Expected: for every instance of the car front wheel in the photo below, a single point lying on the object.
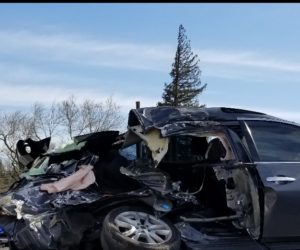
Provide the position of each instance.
(135, 228)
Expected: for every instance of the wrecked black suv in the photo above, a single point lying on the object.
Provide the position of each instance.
(179, 178)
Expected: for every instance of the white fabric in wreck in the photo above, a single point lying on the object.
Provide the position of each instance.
(81, 179)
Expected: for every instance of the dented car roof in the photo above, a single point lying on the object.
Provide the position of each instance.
(172, 119)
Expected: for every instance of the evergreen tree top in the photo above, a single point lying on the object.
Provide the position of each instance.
(185, 74)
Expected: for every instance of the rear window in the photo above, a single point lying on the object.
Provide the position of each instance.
(276, 141)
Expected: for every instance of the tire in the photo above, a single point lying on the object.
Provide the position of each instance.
(122, 224)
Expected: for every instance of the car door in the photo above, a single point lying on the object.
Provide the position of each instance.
(275, 149)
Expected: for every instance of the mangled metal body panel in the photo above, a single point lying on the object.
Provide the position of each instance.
(170, 120)
(249, 205)
(242, 196)
(153, 178)
(241, 187)
(28, 198)
(41, 219)
(51, 220)
(156, 144)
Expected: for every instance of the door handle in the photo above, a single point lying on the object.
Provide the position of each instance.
(281, 179)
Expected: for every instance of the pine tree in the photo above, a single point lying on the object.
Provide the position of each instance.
(186, 84)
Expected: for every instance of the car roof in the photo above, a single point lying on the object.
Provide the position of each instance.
(180, 118)
(167, 114)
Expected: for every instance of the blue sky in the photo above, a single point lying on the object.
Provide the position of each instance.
(249, 53)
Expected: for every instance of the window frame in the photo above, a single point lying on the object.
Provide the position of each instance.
(224, 133)
(251, 142)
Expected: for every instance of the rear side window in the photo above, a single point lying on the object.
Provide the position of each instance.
(276, 141)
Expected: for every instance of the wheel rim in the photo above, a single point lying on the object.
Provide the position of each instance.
(143, 227)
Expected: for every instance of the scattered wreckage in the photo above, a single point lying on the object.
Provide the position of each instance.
(179, 178)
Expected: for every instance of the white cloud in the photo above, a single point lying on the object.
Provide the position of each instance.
(291, 115)
(19, 74)
(247, 59)
(26, 95)
(81, 50)
(75, 49)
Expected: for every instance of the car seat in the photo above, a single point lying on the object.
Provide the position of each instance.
(215, 151)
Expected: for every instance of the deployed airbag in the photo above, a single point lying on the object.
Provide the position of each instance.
(81, 179)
